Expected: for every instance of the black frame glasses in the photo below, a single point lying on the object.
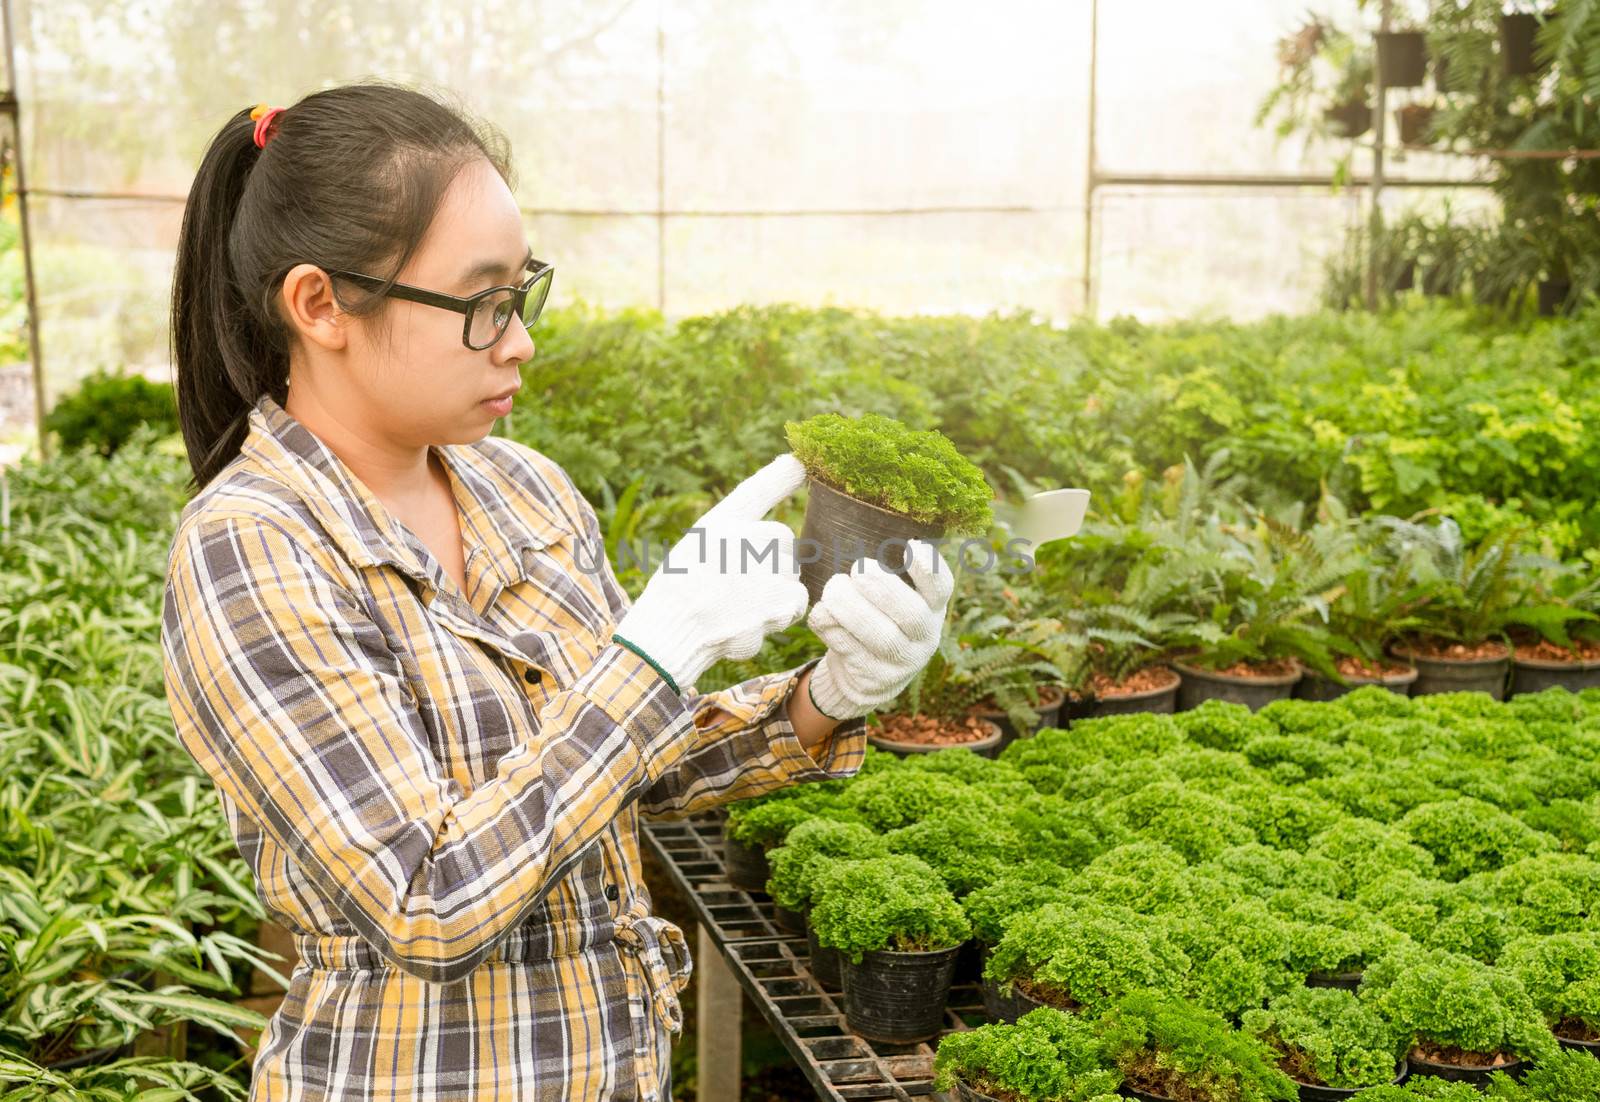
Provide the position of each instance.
(543, 275)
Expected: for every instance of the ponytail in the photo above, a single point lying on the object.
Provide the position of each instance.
(351, 179)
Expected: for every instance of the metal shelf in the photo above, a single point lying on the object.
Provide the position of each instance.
(773, 966)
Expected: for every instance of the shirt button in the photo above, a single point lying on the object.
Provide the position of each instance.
(532, 676)
(611, 892)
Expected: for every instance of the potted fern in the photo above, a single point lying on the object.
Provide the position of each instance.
(1563, 649)
(875, 484)
(1459, 642)
(898, 930)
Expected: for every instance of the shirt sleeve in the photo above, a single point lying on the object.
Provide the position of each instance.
(749, 750)
(285, 692)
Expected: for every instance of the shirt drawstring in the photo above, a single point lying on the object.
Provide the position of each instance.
(647, 937)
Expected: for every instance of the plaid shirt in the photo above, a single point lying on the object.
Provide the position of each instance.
(438, 791)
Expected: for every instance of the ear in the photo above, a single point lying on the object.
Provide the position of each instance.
(310, 309)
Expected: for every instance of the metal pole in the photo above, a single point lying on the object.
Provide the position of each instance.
(8, 105)
(1090, 181)
(1375, 216)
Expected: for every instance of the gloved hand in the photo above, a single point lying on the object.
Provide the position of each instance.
(880, 632)
(729, 582)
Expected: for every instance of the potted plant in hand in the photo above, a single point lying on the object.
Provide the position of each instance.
(1461, 1019)
(1561, 973)
(1473, 596)
(1081, 956)
(1047, 1056)
(1331, 1043)
(897, 929)
(1169, 1048)
(797, 864)
(1562, 647)
(874, 484)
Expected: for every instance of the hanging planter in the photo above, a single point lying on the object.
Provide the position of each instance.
(1518, 31)
(1402, 58)
(1445, 667)
(1349, 119)
(1255, 685)
(875, 485)
(1413, 121)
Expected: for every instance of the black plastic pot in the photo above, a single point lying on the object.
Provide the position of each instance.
(1316, 687)
(969, 963)
(1454, 675)
(1464, 1074)
(1534, 675)
(897, 997)
(825, 964)
(1350, 119)
(1310, 1093)
(792, 921)
(1572, 1044)
(1402, 58)
(1200, 685)
(838, 530)
(986, 747)
(1406, 278)
(1048, 716)
(747, 865)
(1162, 701)
(1348, 980)
(1517, 31)
(970, 1094)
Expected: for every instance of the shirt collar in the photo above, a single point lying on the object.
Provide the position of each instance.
(513, 515)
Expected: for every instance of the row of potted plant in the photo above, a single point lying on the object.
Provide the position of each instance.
(1233, 859)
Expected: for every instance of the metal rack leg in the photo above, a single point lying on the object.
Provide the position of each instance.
(719, 1007)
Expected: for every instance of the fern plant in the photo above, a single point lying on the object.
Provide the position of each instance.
(979, 659)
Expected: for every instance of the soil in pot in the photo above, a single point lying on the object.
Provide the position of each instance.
(747, 865)
(1396, 677)
(1152, 689)
(841, 529)
(1446, 667)
(1253, 684)
(1311, 1089)
(968, 1093)
(824, 963)
(1031, 996)
(1543, 665)
(898, 997)
(923, 734)
(1449, 1062)
(1048, 709)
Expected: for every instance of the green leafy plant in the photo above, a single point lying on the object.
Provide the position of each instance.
(103, 411)
(1167, 1045)
(806, 848)
(881, 461)
(895, 903)
(1329, 1037)
(1561, 973)
(1046, 1056)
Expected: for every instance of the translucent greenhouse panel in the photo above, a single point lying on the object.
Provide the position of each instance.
(604, 260)
(933, 263)
(867, 107)
(1168, 254)
(104, 273)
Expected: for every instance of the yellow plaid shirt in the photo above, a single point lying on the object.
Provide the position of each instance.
(439, 791)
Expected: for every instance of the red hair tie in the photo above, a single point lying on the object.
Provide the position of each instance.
(264, 116)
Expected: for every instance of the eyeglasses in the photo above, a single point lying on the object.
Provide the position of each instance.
(488, 312)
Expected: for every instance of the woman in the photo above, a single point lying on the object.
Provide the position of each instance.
(395, 644)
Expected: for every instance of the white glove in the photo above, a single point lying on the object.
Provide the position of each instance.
(729, 582)
(880, 632)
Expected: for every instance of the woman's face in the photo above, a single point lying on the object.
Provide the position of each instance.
(416, 383)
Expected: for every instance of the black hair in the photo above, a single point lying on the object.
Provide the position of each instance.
(350, 177)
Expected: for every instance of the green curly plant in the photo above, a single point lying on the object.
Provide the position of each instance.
(1086, 954)
(765, 822)
(896, 903)
(965, 849)
(807, 848)
(1561, 973)
(882, 462)
(1167, 1044)
(1046, 1056)
(1329, 1037)
(1025, 888)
